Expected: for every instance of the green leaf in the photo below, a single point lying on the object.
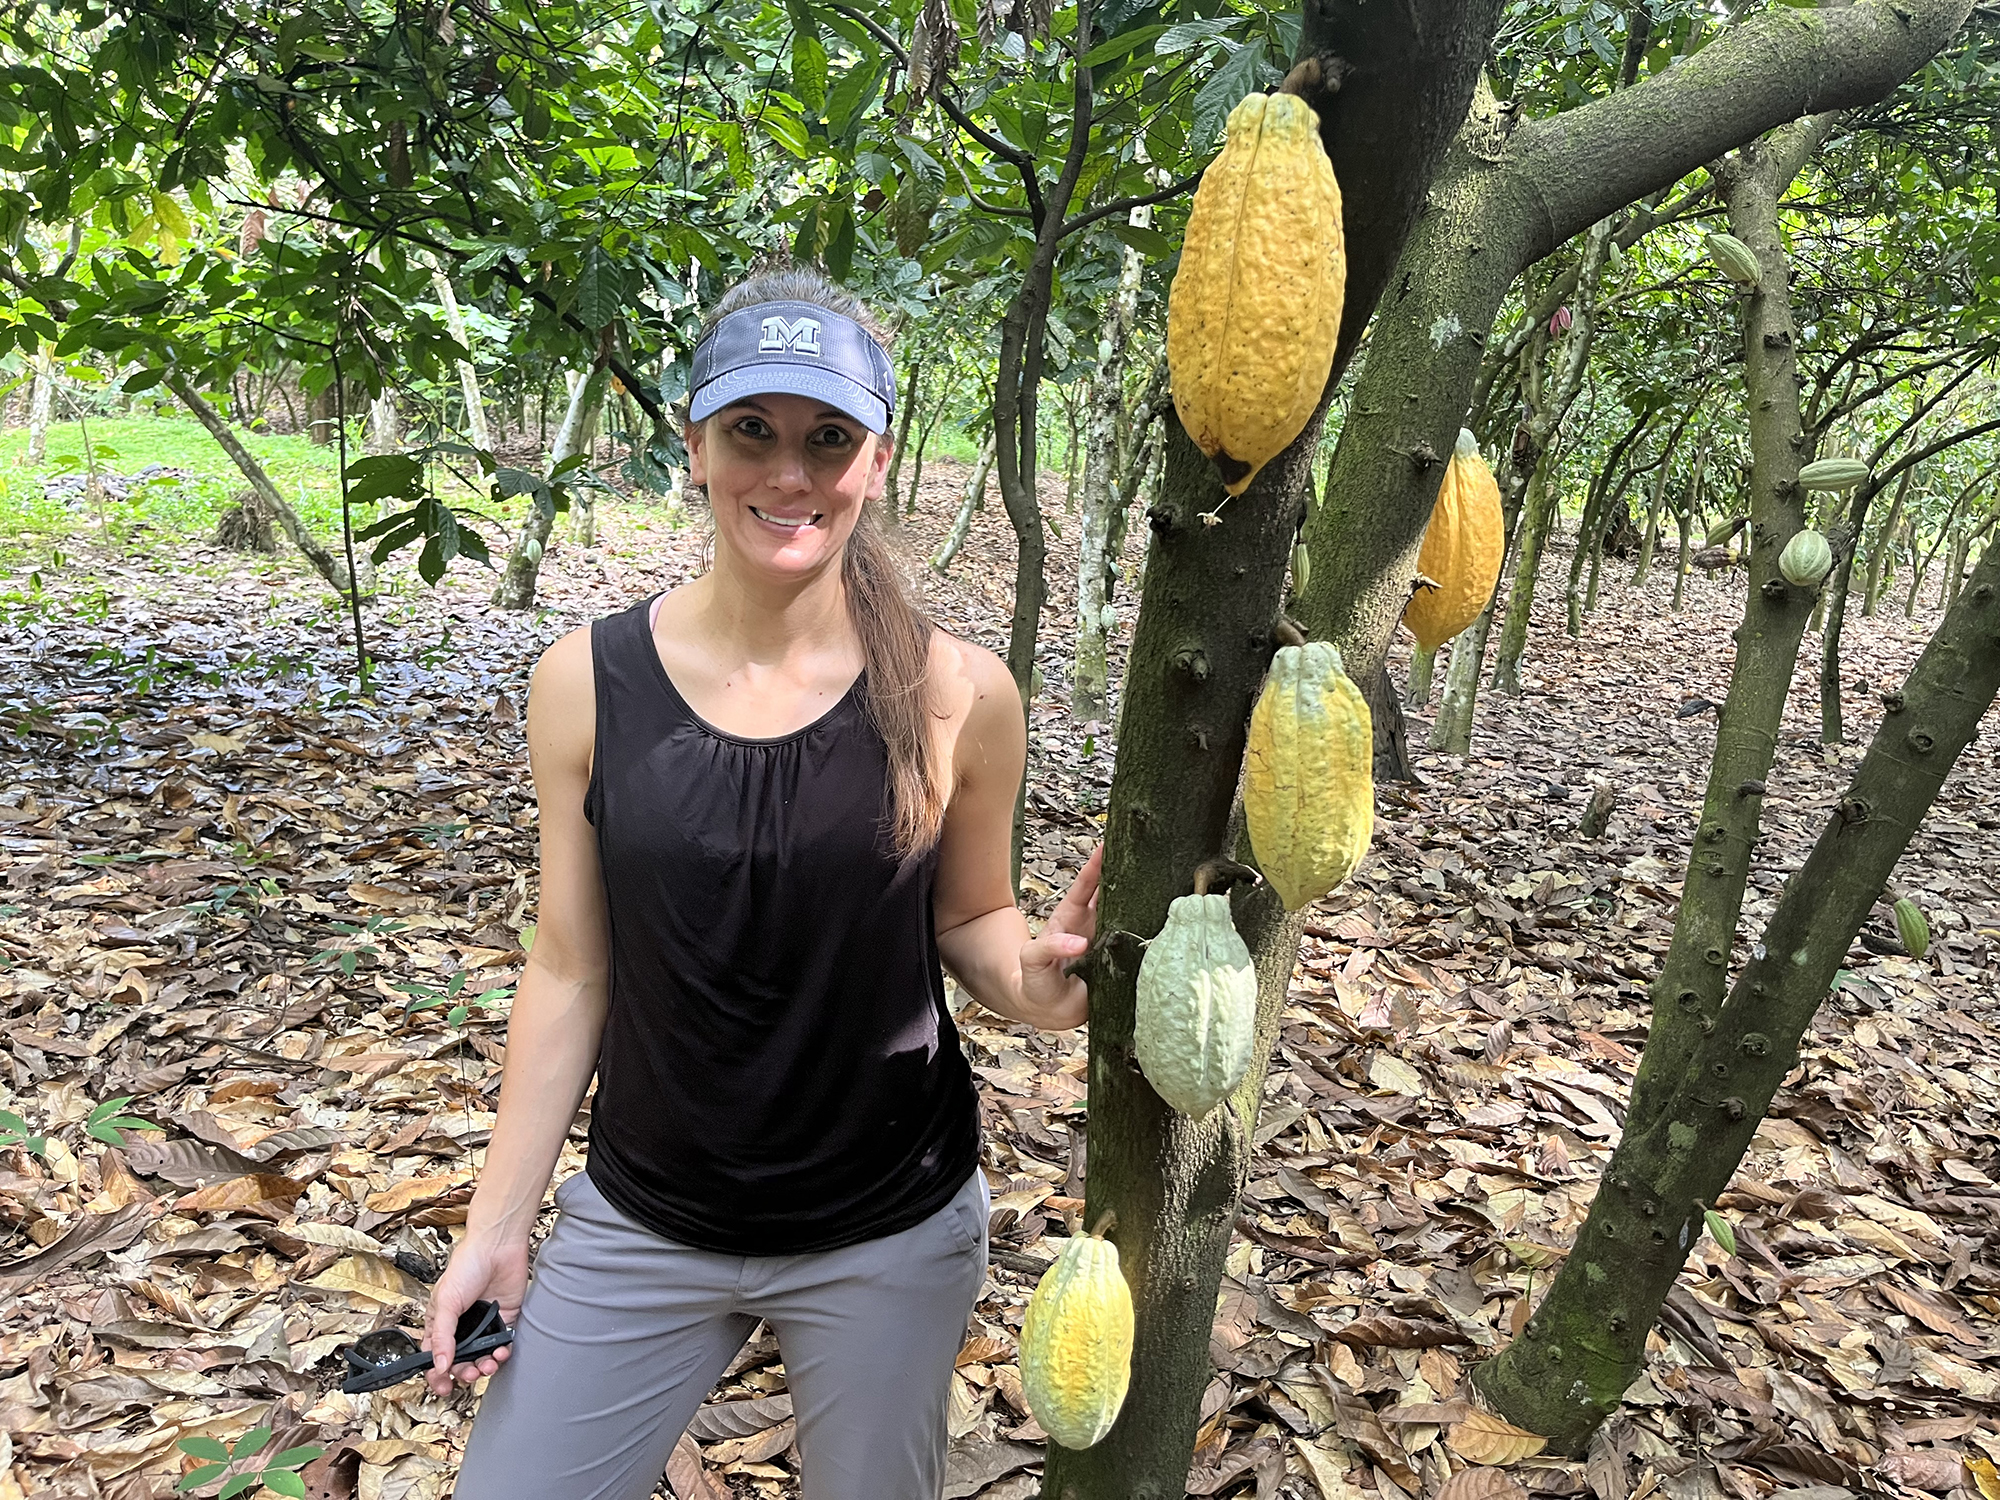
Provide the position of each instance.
(809, 71)
(600, 288)
(295, 1458)
(195, 1478)
(1223, 92)
(250, 1442)
(143, 380)
(284, 1482)
(1146, 241)
(1193, 33)
(238, 1485)
(1719, 1228)
(1118, 46)
(203, 1447)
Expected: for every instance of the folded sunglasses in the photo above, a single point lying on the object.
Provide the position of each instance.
(390, 1356)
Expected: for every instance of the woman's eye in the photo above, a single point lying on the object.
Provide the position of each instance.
(835, 437)
(752, 427)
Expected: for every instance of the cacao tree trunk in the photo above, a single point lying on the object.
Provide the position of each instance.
(891, 510)
(1102, 490)
(973, 499)
(1883, 552)
(1423, 668)
(41, 405)
(328, 565)
(1586, 1341)
(468, 377)
(516, 589)
(385, 425)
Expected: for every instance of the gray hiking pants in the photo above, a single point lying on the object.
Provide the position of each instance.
(623, 1334)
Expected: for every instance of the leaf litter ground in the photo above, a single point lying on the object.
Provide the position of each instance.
(287, 922)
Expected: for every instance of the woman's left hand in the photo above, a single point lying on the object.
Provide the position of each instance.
(1060, 1000)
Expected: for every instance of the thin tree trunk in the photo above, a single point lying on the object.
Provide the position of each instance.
(41, 404)
(891, 510)
(924, 430)
(1884, 549)
(1088, 697)
(468, 377)
(330, 567)
(972, 500)
(1423, 667)
(516, 589)
(1834, 596)
(385, 424)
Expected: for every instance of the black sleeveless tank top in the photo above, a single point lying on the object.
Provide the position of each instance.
(779, 1073)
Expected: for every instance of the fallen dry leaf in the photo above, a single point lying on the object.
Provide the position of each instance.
(1483, 1438)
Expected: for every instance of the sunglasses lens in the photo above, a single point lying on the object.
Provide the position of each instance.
(473, 1320)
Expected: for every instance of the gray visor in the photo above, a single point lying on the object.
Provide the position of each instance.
(796, 349)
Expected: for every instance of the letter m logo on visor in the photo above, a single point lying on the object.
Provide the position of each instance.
(782, 335)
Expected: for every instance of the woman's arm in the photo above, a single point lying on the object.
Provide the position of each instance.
(982, 937)
(557, 1019)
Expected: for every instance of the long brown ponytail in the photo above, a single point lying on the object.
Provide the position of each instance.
(895, 634)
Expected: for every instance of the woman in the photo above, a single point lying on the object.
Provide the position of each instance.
(772, 802)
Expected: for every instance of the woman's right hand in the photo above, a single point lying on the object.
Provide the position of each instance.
(493, 1269)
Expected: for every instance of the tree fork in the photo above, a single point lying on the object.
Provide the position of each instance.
(1586, 1341)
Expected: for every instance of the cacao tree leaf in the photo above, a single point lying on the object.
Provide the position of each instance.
(1719, 1228)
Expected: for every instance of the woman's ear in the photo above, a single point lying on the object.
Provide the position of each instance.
(878, 466)
(695, 435)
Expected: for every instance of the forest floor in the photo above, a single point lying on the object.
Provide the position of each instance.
(286, 920)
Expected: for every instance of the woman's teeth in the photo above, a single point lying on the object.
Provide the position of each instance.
(794, 522)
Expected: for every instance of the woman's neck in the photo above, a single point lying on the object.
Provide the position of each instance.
(772, 623)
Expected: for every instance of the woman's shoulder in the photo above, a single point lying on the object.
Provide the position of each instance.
(958, 664)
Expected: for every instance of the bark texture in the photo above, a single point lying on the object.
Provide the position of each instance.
(1586, 1341)
(333, 569)
(516, 589)
(468, 377)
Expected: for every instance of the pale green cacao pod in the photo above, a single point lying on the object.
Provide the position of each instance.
(1806, 560)
(1735, 260)
(1076, 1343)
(1832, 474)
(1197, 1006)
(1912, 928)
(1301, 568)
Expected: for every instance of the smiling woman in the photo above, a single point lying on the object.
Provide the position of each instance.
(775, 804)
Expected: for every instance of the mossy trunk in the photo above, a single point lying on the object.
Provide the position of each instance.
(41, 405)
(1845, 540)
(1586, 1342)
(1102, 494)
(1423, 668)
(971, 499)
(1537, 516)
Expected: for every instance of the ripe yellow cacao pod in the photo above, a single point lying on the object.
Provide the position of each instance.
(1806, 560)
(1912, 928)
(1076, 1343)
(1254, 311)
(1461, 551)
(1308, 787)
(1735, 260)
(1832, 474)
(1197, 1006)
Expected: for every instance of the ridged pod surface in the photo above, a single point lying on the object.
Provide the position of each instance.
(1254, 312)
(1308, 785)
(1735, 259)
(1461, 552)
(1806, 560)
(1197, 1006)
(1832, 474)
(1076, 1343)
(1912, 927)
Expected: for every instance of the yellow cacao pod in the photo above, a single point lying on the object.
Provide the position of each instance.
(1197, 1006)
(1254, 311)
(1308, 786)
(1461, 551)
(1912, 928)
(1076, 1343)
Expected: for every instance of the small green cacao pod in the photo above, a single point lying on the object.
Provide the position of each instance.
(1735, 260)
(1724, 529)
(1076, 1343)
(1912, 928)
(1301, 568)
(1196, 1011)
(1832, 474)
(1806, 560)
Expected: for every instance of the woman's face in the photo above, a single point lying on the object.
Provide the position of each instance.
(787, 477)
